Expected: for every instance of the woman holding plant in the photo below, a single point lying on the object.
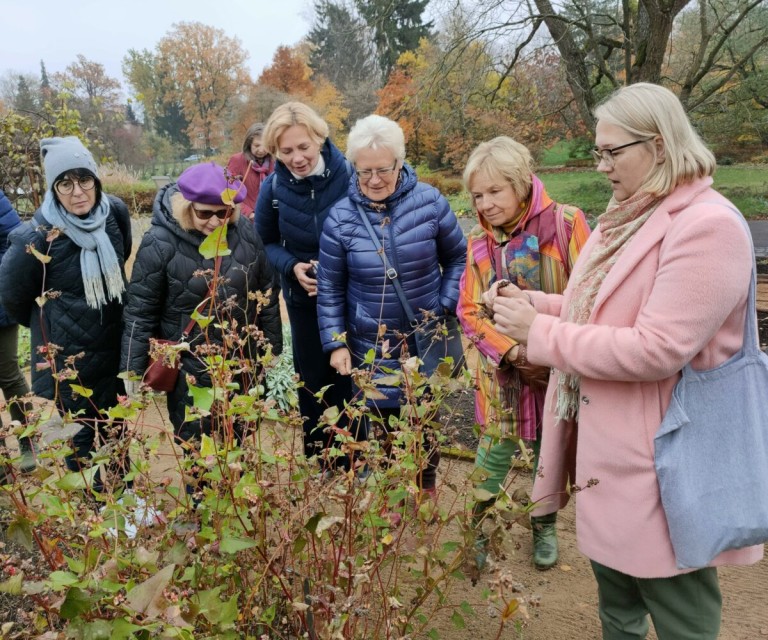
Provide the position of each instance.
(523, 236)
(63, 276)
(647, 297)
(177, 274)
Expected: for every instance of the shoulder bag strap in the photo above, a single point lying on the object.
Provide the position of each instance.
(391, 272)
(191, 325)
(563, 238)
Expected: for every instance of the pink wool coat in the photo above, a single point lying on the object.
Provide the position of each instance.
(676, 294)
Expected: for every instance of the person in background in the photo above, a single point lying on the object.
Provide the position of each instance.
(420, 235)
(171, 278)
(647, 297)
(311, 175)
(523, 236)
(12, 380)
(252, 166)
(75, 333)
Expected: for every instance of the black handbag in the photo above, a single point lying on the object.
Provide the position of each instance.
(436, 337)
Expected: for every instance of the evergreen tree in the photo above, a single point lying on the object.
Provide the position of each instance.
(24, 99)
(341, 52)
(397, 26)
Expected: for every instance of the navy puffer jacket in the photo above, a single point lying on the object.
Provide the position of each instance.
(168, 282)
(9, 220)
(290, 214)
(424, 243)
(65, 319)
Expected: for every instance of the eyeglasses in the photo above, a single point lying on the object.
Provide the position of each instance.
(67, 186)
(207, 214)
(367, 174)
(606, 155)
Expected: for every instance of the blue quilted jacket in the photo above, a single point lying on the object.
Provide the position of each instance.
(423, 242)
(290, 213)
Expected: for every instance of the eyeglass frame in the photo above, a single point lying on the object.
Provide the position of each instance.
(367, 174)
(598, 154)
(207, 214)
(79, 182)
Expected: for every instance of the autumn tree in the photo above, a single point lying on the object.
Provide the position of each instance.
(189, 84)
(444, 121)
(289, 71)
(159, 98)
(603, 44)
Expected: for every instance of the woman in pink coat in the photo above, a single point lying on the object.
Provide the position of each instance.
(661, 282)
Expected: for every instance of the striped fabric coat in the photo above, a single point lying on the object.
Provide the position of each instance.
(495, 408)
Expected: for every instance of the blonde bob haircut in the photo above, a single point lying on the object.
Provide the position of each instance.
(183, 213)
(288, 115)
(502, 159)
(647, 110)
(376, 132)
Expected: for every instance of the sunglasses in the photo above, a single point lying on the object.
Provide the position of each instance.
(207, 214)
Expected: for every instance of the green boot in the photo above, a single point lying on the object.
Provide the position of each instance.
(544, 541)
(28, 462)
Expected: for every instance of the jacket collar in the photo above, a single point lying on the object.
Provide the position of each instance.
(649, 235)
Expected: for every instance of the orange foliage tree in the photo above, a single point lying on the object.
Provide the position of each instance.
(446, 113)
(289, 72)
(203, 68)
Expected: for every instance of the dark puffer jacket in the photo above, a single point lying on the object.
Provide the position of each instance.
(9, 220)
(290, 214)
(65, 319)
(168, 282)
(424, 243)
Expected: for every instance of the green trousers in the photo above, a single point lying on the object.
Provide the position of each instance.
(495, 457)
(683, 607)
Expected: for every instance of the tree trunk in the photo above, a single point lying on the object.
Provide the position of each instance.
(576, 69)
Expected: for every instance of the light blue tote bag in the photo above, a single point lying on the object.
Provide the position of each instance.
(712, 454)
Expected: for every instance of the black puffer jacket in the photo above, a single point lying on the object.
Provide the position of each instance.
(65, 319)
(170, 279)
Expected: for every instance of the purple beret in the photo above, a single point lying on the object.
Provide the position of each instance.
(204, 184)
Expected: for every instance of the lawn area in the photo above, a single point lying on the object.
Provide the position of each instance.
(745, 185)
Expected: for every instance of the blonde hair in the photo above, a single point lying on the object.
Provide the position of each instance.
(647, 110)
(288, 115)
(502, 159)
(183, 213)
(376, 132)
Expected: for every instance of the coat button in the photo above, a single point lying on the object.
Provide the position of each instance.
(584, 400)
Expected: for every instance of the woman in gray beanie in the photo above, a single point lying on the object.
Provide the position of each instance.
(69, 289)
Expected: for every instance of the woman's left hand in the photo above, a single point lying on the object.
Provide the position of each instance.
(513, 317)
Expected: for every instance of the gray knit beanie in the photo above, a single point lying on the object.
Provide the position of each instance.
(65, 154)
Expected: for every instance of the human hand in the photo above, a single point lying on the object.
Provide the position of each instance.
(503, 288)
(341, 360)
(306, 274)
(513, 317)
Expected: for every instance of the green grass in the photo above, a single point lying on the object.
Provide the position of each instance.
(745, 185)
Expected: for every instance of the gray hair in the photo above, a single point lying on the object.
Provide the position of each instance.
(376, 132)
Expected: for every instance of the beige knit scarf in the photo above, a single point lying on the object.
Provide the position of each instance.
(618, 225)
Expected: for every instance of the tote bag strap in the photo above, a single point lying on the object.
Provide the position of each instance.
(751, 344)
(390, 272)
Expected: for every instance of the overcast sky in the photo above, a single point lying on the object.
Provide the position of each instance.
(57, 31)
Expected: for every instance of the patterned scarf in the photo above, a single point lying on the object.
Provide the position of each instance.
(98, 260)
(618, 225)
